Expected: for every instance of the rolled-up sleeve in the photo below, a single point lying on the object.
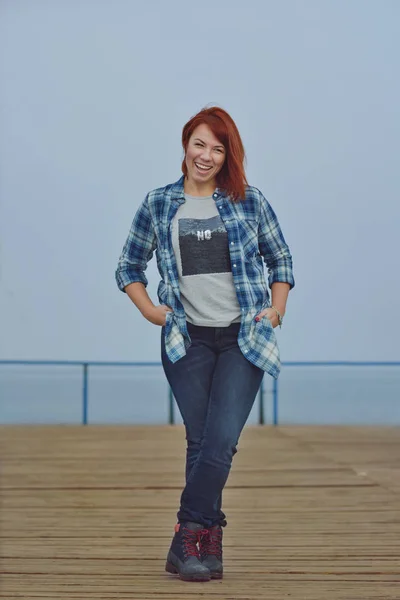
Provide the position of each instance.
(273, 247)
(138, 249)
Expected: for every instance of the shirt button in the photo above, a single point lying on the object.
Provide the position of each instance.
(215, 195)
(238, 287)
(234, 265)
(232, 243)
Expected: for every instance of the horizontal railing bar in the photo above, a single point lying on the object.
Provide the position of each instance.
(79, 363)
(100, 363)
(341, 363)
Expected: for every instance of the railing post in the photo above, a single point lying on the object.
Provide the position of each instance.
(275, 401)
(261, 416)
(171, 417)
(85, 395)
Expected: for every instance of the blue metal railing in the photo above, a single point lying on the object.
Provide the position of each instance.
(171, 413)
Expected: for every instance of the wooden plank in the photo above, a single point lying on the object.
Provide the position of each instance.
(279, 499)
(268, 586)
(126, 477)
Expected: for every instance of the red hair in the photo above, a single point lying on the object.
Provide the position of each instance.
(232, 177)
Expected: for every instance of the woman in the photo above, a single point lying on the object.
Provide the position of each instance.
(211, 232)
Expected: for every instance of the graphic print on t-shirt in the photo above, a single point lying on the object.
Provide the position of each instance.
(203, 245)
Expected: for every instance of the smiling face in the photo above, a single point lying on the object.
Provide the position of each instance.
(205, 156)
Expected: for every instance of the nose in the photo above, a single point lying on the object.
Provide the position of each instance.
(206, 155)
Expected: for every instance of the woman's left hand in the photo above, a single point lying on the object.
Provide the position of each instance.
(270, 314)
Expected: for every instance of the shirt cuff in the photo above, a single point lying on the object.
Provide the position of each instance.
(127, 276)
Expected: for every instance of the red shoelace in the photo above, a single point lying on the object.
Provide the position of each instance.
(211, 542)
(190, 539)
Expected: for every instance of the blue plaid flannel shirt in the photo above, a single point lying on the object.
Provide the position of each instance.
(254, 235)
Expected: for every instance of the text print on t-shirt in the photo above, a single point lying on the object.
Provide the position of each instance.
(203, 244)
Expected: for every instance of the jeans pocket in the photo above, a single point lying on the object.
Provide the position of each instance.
(262, 328)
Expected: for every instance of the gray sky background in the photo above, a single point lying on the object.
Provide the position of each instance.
(94, 95)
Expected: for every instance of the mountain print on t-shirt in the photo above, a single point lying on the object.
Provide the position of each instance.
(203, 246)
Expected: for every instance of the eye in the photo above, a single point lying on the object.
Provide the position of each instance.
(219, 150)
(198, 144)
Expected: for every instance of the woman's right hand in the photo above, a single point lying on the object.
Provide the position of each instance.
(158, 314)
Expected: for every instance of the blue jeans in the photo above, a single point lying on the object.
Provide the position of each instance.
(215, 387)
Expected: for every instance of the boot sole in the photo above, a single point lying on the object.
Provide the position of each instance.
(217, 575)
(170, 568)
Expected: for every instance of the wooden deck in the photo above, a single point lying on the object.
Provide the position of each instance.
(88, 513)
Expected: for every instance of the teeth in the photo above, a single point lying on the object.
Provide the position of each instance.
(202, 167)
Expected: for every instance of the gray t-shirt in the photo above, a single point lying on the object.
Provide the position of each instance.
(200, 245)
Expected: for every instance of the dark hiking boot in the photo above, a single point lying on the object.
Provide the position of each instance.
(183, 556)
(211, 551)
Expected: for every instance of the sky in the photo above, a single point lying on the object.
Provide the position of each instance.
(94, 96)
